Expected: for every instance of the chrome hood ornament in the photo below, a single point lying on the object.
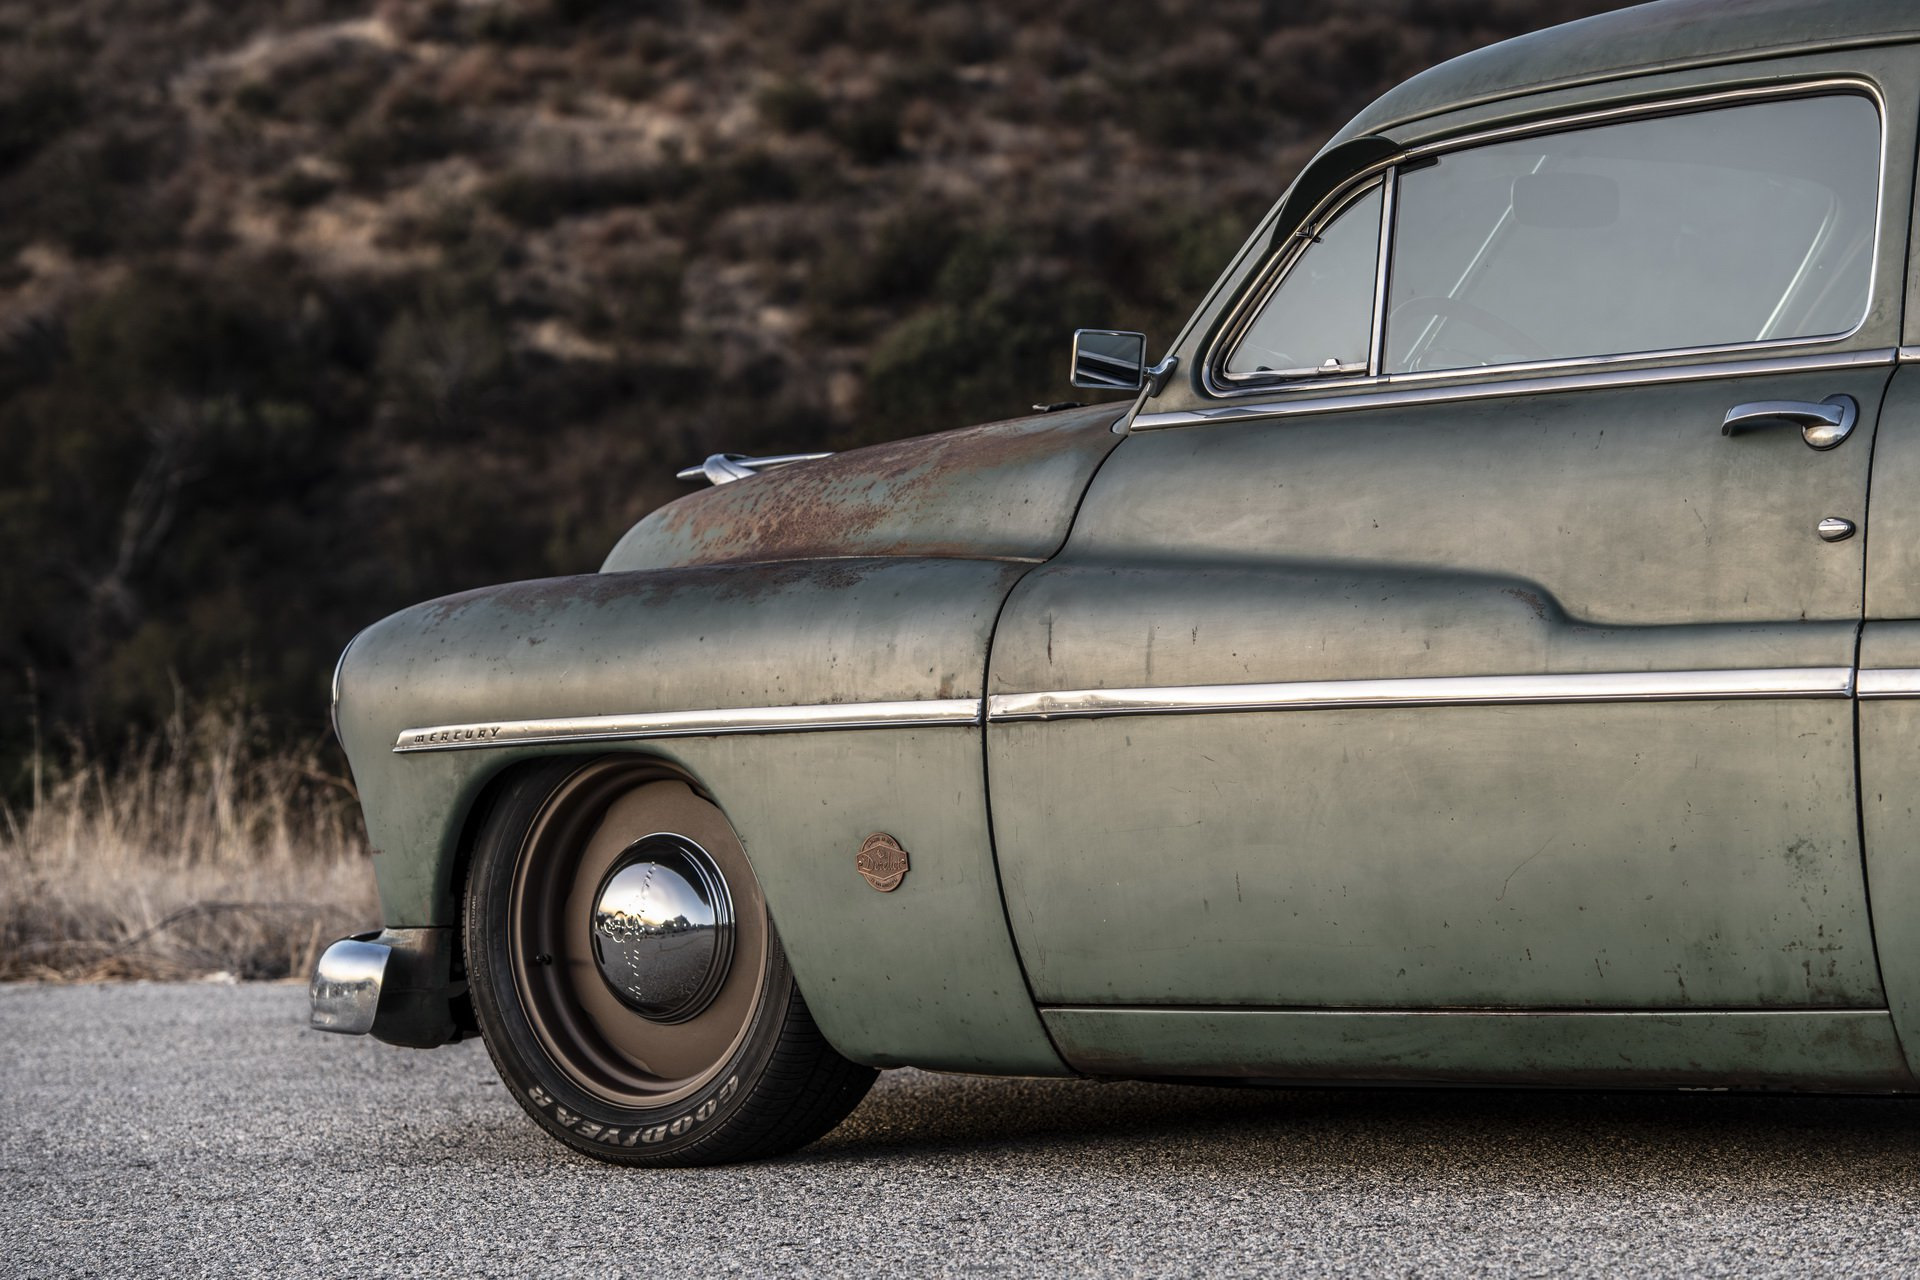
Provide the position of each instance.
(725, 468)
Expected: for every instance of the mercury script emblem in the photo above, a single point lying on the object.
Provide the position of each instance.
(882, 861)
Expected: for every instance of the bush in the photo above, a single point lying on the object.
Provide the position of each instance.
(792, 106)
(540, 199)
(959, 361)
(870, 131)
(35, 111)
(640, 300)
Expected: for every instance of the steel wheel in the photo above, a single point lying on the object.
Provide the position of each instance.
(628, 978)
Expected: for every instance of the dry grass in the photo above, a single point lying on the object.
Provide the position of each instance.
(202, 854)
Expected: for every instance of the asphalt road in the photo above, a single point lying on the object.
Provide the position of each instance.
(184, 1130)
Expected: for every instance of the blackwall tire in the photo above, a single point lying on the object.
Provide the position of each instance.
(734, 1071)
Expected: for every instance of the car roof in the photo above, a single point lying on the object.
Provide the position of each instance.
(1650, 37)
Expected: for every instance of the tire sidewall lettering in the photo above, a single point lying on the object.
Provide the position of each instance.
(544, 1105)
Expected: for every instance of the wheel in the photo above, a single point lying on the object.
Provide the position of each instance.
(628, 980)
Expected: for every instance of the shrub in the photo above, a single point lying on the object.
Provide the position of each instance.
(870, 131)
(540, 199)
(792, 106)
(34, 111)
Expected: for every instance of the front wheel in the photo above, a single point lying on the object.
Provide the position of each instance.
(628, 980)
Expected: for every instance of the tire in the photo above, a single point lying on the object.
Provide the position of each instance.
(735, 1071)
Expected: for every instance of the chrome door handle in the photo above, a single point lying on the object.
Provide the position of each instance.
(1822, 425)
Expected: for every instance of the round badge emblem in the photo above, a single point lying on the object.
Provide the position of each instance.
(882, 862)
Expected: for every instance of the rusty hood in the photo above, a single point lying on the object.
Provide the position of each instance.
(1006, 490)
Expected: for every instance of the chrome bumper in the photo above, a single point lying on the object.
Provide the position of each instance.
(345, 990)
(396, 985)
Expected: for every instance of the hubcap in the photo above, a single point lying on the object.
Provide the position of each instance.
(646, 1010)
(663, 928)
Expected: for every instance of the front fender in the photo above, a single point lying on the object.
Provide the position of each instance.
(926, 974)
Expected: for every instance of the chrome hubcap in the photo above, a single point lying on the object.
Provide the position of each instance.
(663, 928)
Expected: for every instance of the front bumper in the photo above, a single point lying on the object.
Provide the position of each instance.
(396, 985)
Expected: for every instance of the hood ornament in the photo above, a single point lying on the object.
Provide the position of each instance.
(725, 468)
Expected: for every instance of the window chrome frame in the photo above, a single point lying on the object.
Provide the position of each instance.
(1595, 374)
(1217, 383)
(1328, 212)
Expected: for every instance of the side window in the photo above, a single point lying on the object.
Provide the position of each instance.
(1713, 228)
(1320, 318)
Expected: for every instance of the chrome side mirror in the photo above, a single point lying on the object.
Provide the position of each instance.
(1109, 360)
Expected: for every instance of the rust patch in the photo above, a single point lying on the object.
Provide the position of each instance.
(979, 491)
(881, 862)
(540, 600)
(1535, 602)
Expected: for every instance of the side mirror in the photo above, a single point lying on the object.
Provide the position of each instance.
(1109, 360)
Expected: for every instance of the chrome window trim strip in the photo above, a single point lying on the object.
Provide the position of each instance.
(1670, 107)
(1403, 390)
(686, 724)
(1461, 691)
(1377, 340)
(1324, 215)
(1889, 682)
(1212, 364)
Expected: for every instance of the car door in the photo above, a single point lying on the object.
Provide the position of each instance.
(1481, 634)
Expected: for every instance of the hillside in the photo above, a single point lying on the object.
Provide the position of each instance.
(310, 310)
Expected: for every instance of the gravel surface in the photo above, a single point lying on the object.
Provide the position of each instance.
(196, 1129)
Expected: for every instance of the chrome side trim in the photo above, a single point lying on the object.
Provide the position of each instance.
(686, 724)
(1909, 355)
(1889, 682)
(1384, 392)
(1463, 691)
(1295, 695)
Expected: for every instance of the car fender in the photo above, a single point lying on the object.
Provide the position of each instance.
(925, 974)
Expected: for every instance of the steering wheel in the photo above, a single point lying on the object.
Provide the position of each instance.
(1428, 304)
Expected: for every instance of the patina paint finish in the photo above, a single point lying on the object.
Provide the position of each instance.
(1890, 810)
(928, 972)
(1004, 490)
(1619, 891)
(1890, 728)
(1855, 1052)
(1625, 855)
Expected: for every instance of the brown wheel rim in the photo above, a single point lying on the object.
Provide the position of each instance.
(595, 818)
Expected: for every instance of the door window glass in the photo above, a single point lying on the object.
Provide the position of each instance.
(1717, 227)
(1320, 319)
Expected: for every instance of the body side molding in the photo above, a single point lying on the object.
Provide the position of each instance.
(916, 713)
(1464, 691)
(1889, 682)
(1440, 691)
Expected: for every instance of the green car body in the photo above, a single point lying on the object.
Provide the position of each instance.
(1501, 723)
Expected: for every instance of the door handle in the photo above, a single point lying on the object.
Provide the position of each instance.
(1822, 425)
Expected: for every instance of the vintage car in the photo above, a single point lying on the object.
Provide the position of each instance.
(1467, 659)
